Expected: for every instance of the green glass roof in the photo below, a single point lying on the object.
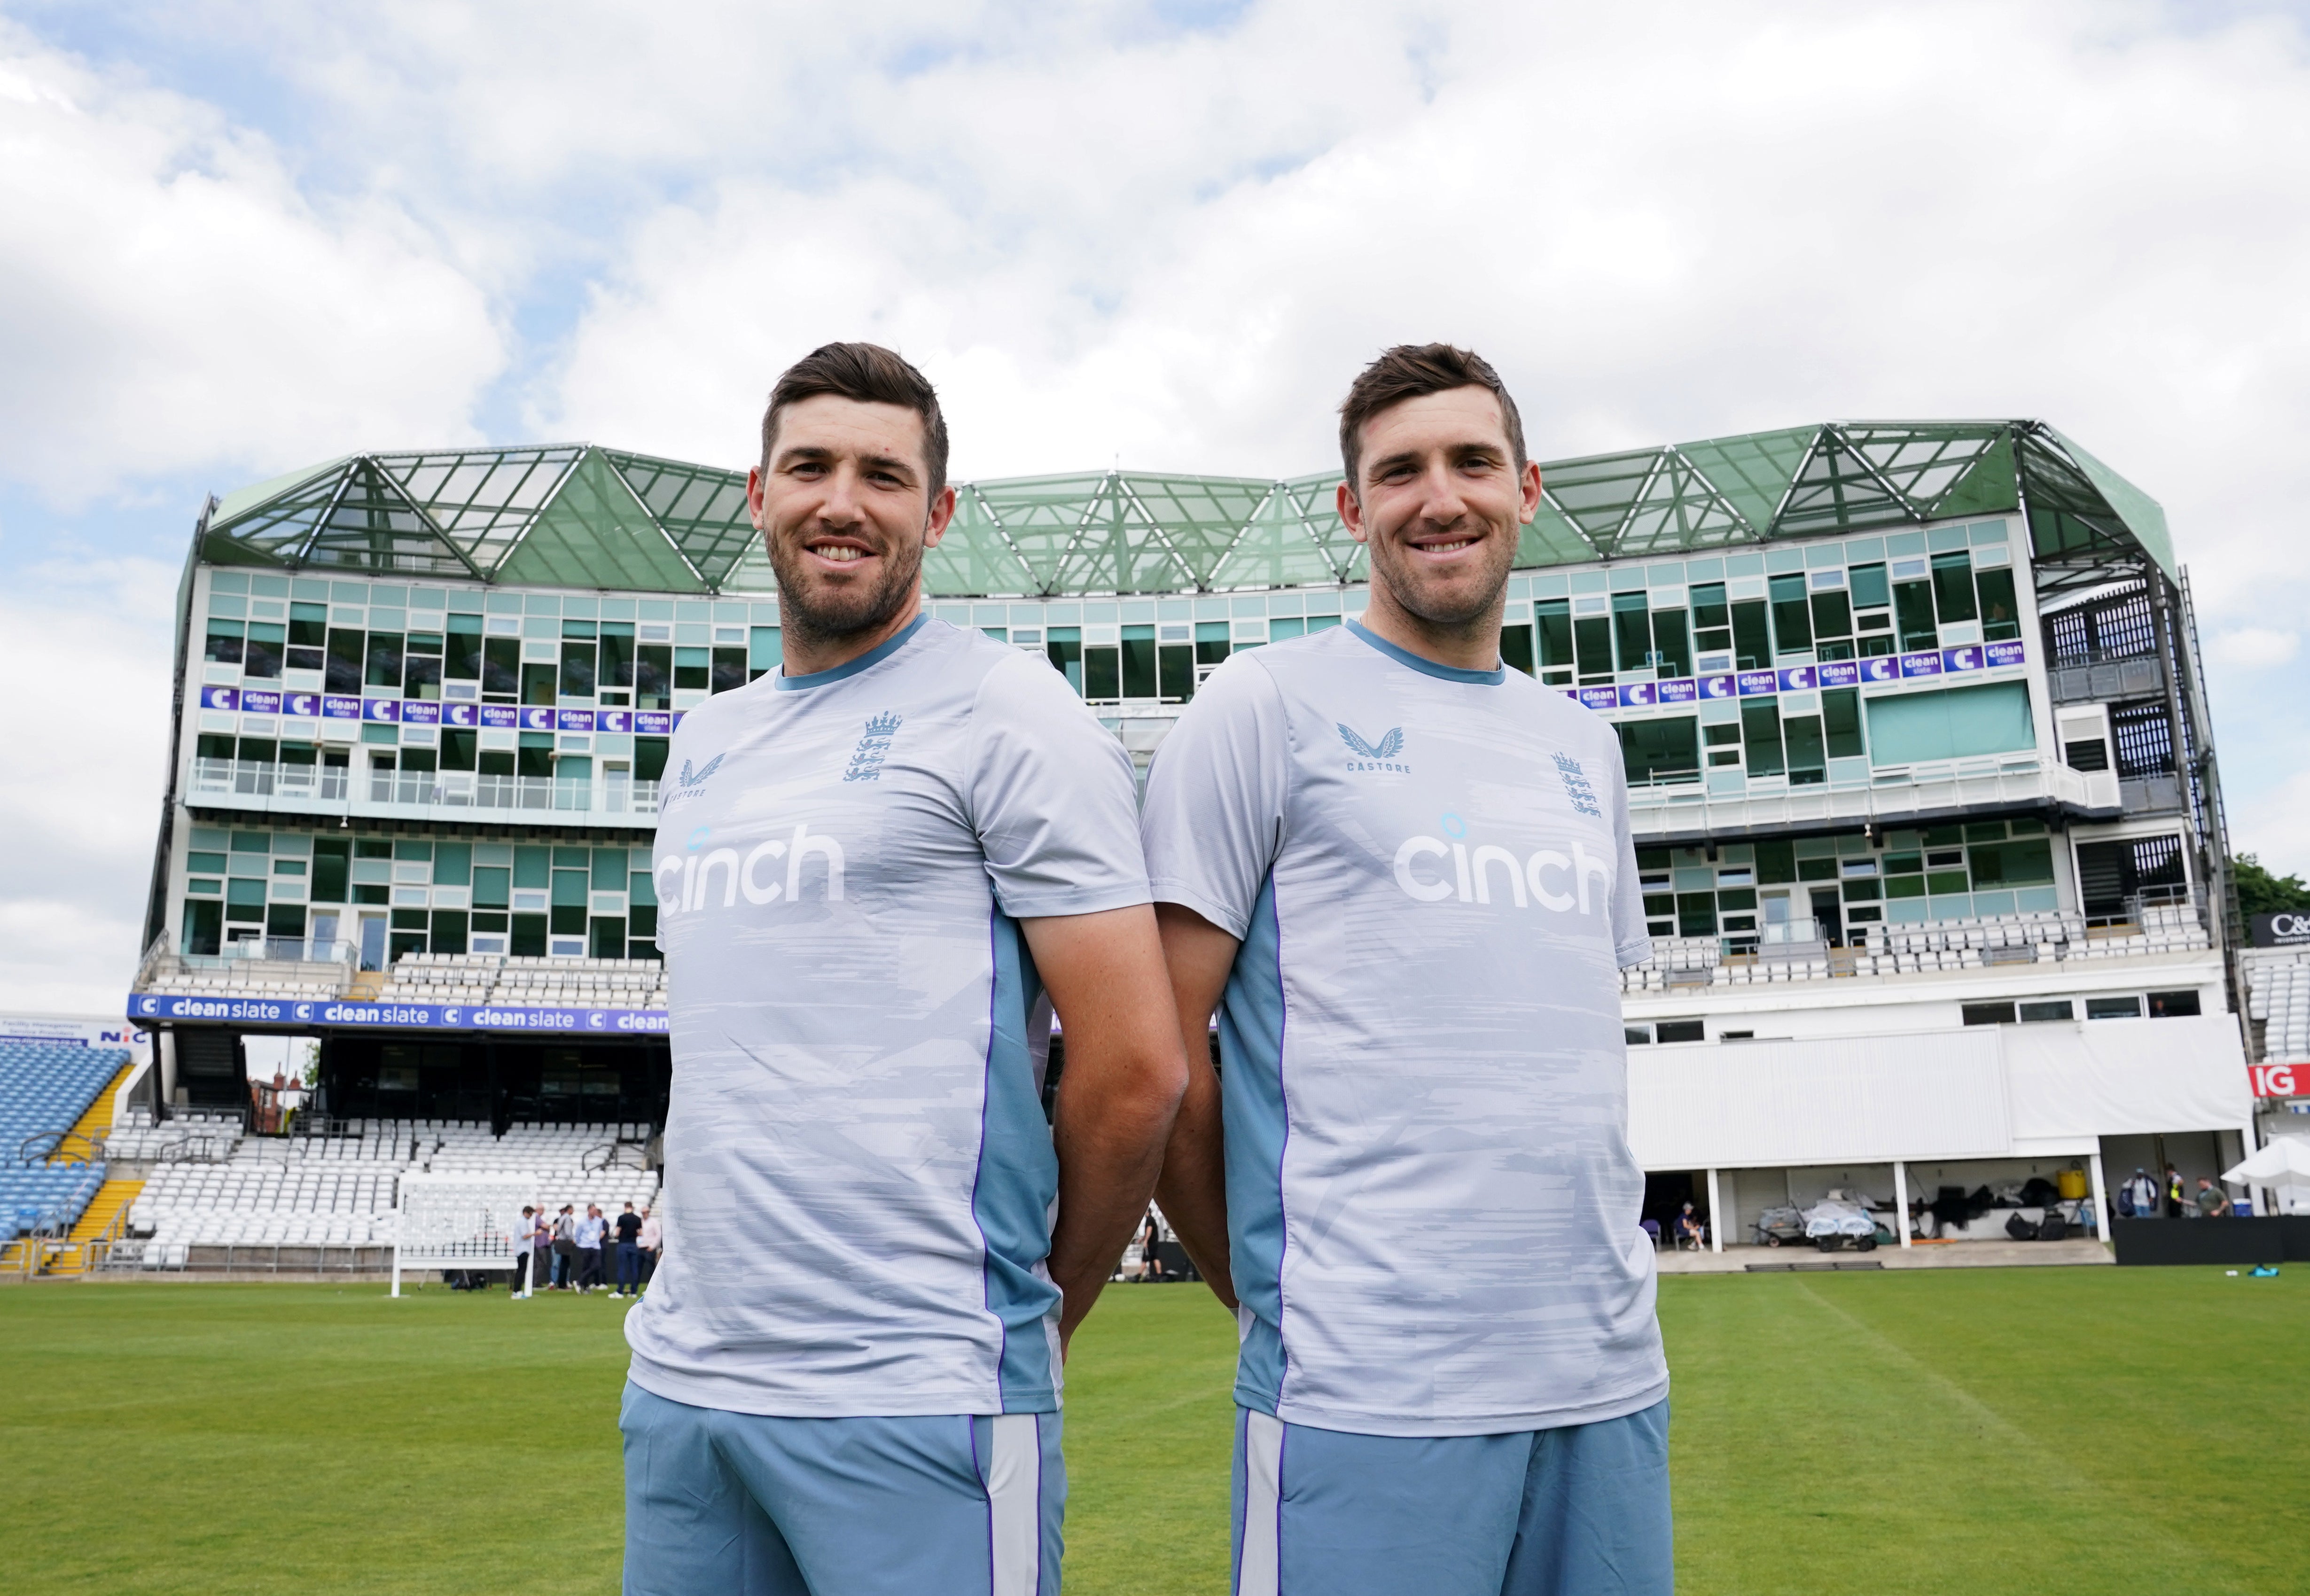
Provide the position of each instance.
(575, 515)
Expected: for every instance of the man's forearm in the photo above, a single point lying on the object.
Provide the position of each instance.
(1192, 1185)
(1110, 1146)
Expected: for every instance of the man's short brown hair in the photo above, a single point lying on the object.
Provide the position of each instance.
(1409, 371)
(871, 375)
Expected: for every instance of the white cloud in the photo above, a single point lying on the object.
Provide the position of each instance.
(80, 790)
(168, 299)
(2254, 647)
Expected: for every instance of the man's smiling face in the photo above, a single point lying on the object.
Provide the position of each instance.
(1438, 501)
(843, 501)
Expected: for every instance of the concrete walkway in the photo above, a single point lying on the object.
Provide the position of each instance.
(1955, 1254)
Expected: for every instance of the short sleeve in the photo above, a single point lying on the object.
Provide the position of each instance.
(1214, 816)
(1050, 794)
(1631, 943)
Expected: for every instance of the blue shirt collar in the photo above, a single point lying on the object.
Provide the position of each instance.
(1428, 667)
(866, 661)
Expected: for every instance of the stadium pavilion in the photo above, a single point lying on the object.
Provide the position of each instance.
(1925, 785)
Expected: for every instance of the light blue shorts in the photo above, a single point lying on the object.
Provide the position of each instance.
(721, 1503)
(1582, 1511)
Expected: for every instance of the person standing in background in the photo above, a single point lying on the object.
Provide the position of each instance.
(525, 1240)
(629, 1253)
(2213, 1202)
(653, 1238)
(590, 1231)
(565, 1249)
(2173, 1193)
(2141, 1195)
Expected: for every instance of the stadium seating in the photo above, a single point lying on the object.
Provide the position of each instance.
(525, 982)
(288, 980)
(1924, 947)
(340, 1191)
(45, 1088)
(2278, 995)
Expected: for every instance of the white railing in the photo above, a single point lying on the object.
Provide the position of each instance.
(612, 792)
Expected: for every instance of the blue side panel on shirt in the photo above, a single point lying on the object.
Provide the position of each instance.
(1251, 1088)
(1018, 1179)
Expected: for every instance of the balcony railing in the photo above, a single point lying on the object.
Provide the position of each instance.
(614, 792)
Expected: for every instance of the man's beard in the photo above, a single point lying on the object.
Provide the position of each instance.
(827, 616)
(1435, 604)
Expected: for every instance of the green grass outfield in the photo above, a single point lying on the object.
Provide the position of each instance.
(2032, 1431)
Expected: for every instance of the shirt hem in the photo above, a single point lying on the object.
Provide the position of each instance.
(1235, 925)
(729, 1397)
(1311, 1417)
(1635, 952)
(1079, 901)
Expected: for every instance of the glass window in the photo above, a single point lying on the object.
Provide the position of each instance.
(652, 676)
(1724, 745)
(765, 652)
(384, 661)
(492, 887)
(649, 758)
(1840, 720)
(1176, 665)
(1139, 660)
(1792, 615)
(1631, 631)
(1553, 618)
(2128, 1007)
(1709, 611)
(1953, 587)
(1655, 752)
(577, 665)
(1950, 724)
(1869, 588)
(309, 628)
(1987, 1013)
(1832, 614)
(420, 676)
(693, 670)
(2001, 613)
(1808, 762)
(1913, 607)
(1761, 735)
(609, 869)
(2047, 1009)
(453, 863)
(1696, 913)
(1671, 648)
(459, 745)
(1680, 1030)
(1592, 642)
(1102, 675)
(226, 639)
(265, 643)
(502, 669)
(2172, 1005)
(537, 679)
(729, 669)
(1776, 861)
(463, 660)
(1515, 648)
(1752, 646)
(1062, 647)
(531, 866)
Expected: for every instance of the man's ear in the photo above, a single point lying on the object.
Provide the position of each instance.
(1352, 512)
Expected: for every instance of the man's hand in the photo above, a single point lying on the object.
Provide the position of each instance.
(1117, 1094)
(1193, 1189)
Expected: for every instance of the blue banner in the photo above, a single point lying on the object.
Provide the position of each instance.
(1717, 687)
(1839, 673)
(437, 1017)
(333, 707)
(1756, 683)
(1678, 689)
(219, 698)
(1601, 698)
(533, 719)
(1920, 665)
(381, 709)
(255, 701)
(419, 712)
(500, 716)
(307, 705)
(429, 712)
(574, 720)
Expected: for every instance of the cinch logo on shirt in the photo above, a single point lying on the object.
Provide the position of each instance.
(1374, 756)
(1473, 871)
(689, 881)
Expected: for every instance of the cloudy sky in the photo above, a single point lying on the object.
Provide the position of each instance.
(235, 238)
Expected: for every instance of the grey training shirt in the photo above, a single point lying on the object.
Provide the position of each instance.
(860, 1182)
(1432, 1204)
